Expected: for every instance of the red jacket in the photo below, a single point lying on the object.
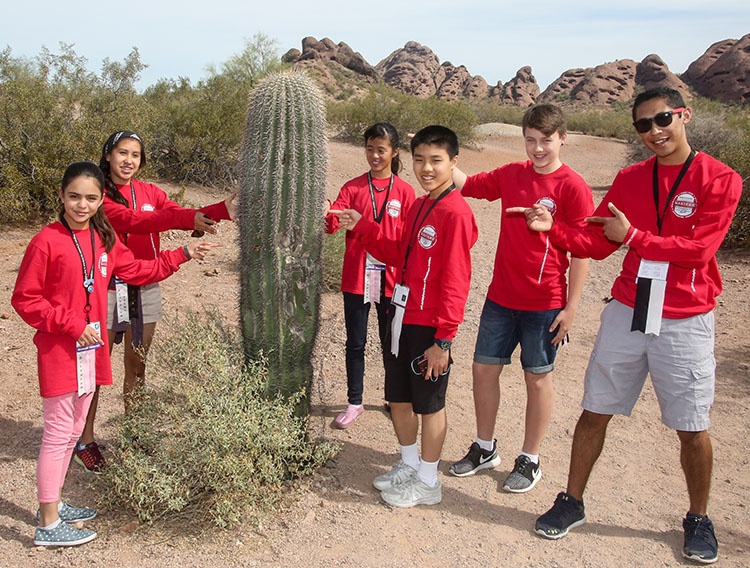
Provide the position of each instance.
(529, 271)
(154, 213)
(438, 270)
(696, 222)
(50, 297)
(355, 194)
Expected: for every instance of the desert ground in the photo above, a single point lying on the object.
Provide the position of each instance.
(635, 500)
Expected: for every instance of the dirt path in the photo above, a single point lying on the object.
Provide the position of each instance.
(635, 500)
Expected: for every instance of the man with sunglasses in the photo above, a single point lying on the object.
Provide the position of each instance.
(672, 211)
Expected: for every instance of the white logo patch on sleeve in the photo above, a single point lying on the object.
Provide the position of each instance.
(103, 265)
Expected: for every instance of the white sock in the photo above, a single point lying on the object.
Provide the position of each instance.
(533, 457)
(59, 506)
(52, 526)
(427, 472)
(487, 446)
(410, 455)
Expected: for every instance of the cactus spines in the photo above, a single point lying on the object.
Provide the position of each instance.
(282, 193)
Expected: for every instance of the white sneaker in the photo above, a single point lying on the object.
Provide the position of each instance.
(413, 492)
(399, 473)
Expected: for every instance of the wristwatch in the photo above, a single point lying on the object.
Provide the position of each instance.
(444, 344)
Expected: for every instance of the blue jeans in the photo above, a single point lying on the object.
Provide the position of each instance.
(502, 329)
(356, 314)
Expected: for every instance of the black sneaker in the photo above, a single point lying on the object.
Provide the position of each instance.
(524, 476)
(476, 459)
(700, 540)
(567, 513)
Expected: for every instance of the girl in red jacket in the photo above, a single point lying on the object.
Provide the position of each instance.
(61, 290)
(379, 193)
(138, 211)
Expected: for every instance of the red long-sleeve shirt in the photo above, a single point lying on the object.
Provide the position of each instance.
(438, 269)
(355, 194)
(696, 222)
(50, 297)
(154, 213)
(529, 271)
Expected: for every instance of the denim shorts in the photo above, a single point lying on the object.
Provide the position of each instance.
(502, 329)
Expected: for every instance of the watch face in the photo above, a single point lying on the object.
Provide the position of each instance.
(443, 344)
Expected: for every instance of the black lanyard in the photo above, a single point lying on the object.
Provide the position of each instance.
(88, 276)
(418, 225)
(683, 171)
(375, 215)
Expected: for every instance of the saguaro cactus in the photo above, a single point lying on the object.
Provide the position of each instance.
(282, 191)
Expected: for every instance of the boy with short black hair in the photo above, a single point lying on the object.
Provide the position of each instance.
(434, 263)
(672, 211)
(529, 301)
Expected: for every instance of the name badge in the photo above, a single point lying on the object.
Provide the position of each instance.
(86, 364)
(121, 300)
(653, 269)
(374, 270)
(400, 295)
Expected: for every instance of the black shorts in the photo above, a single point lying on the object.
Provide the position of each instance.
(401, 384)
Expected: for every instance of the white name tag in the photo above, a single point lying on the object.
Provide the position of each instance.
(400, 295)
(86, 363)
(374, 270)
(654, 269)
(121, 295)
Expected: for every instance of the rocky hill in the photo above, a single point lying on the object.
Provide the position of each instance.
(722, 72)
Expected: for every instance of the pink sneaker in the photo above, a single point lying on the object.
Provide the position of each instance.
(348, 416)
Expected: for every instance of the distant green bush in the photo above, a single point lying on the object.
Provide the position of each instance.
(55, 112)
(609, 123)
(406, 112)
(489, 111)
(196, 130)
(202, 442)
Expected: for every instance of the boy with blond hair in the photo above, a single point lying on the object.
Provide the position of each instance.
(529, 301)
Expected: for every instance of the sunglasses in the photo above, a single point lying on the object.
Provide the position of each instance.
(662, 119)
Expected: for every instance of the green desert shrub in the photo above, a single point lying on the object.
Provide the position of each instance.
(406, 112)
(604, 122)
(196, 130)
(203, 442)
(489, 111)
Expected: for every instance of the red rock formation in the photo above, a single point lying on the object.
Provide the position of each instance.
(653, 72)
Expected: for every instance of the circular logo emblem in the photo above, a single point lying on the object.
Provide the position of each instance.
(549, 203)
(684, 205)
(427, 237)
(393, 208)
(147, 207)
(103, 265)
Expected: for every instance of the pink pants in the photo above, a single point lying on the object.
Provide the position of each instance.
(64, 419)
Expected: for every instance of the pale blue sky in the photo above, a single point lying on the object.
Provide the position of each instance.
(491, 38)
